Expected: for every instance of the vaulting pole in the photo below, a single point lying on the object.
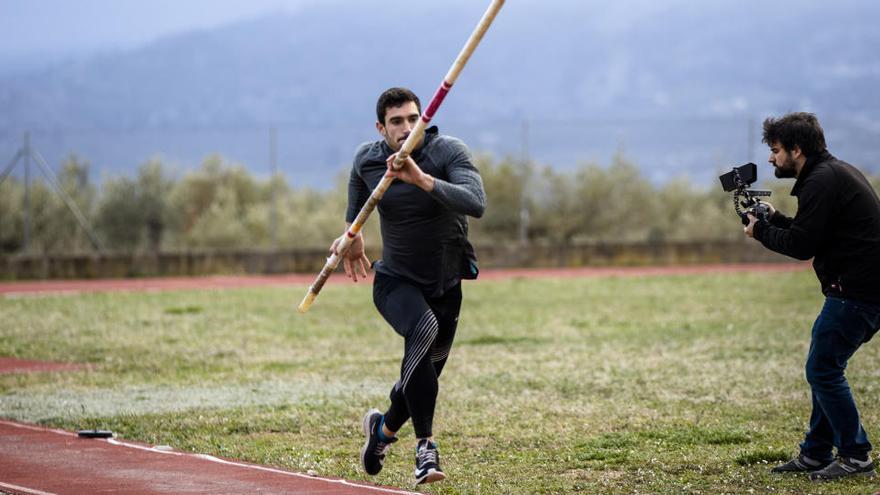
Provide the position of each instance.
(414, 137)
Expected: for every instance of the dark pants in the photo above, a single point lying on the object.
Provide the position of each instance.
(427, 325)
(841, 328)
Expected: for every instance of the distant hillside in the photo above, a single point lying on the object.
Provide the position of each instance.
(678, 88)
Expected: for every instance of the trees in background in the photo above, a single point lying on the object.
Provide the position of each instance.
(221, 205)
(594, 204)
(53, 226)
(135, 213)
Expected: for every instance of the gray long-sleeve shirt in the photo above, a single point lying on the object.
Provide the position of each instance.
(424, 235)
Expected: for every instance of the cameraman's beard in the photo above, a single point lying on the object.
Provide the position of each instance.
(786, 171)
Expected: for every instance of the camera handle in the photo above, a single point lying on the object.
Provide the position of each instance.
(751, 202)
(738, 205)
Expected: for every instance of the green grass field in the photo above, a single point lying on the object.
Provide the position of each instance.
(678, 384)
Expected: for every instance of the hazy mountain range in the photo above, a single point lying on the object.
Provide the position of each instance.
(680, 88)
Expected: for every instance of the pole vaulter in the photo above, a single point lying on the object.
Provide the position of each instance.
(405, 150)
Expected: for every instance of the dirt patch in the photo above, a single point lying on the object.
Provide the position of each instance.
(10, 365)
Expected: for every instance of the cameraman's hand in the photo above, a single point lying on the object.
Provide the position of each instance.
(749, 229)
(770, 206)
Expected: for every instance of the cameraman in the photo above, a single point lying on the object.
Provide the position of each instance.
(838, 225)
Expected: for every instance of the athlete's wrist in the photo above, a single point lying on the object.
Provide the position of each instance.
(426, 182)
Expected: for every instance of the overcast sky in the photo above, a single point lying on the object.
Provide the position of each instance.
(70, 27)
(53, 29)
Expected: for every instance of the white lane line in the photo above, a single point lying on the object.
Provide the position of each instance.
(258, 468)
(271, 470)
(21, 489)
(212, 459)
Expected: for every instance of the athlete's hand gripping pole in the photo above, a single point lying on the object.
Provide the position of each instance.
(414, 137)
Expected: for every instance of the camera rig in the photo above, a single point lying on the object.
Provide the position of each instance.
(746, 200)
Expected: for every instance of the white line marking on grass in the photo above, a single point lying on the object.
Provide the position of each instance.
(35, 406)
(30, 491)
(37, 294)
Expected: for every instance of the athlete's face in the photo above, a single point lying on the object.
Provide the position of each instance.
(399, 123)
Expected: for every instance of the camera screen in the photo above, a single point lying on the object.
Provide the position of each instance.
(748, 174)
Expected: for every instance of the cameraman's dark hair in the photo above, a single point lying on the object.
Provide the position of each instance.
(395, 97)
(798, 128)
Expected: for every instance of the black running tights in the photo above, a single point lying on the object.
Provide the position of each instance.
(427, 325)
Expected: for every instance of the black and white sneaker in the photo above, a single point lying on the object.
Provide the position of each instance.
(845, 467)
(374, 449)
(800, 464)
(428, 463)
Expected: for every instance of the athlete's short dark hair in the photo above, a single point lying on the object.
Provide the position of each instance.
(395, 97)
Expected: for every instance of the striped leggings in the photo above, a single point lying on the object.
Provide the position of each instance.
(427, 325)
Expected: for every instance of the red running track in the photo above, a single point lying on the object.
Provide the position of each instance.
(230, 282)
(39, 461)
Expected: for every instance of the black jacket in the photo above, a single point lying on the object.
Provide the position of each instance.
(837, 224)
